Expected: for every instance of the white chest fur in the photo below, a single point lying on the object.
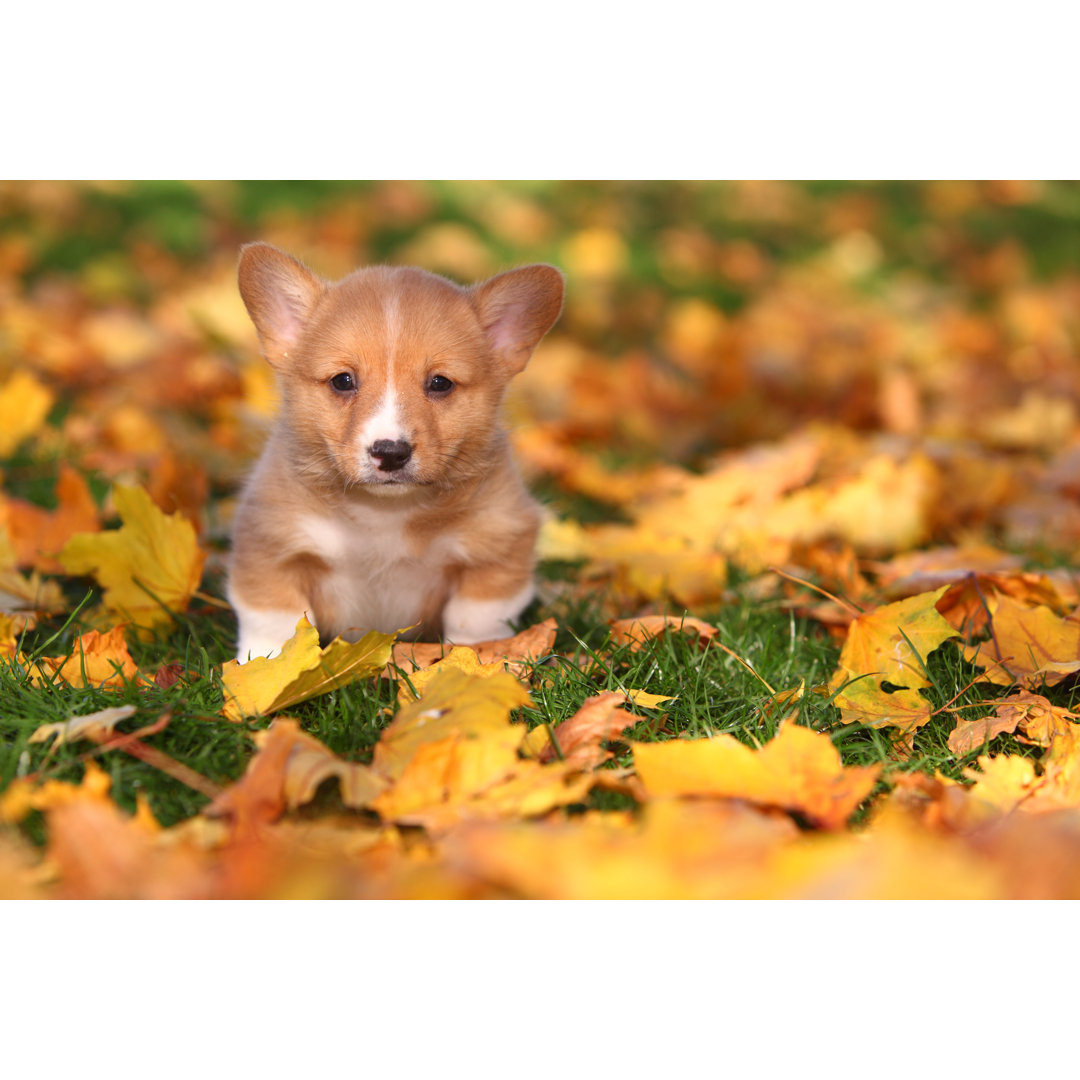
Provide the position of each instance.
(378, 579)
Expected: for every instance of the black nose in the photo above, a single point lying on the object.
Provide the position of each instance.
(390, 453)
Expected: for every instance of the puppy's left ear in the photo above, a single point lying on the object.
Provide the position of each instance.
(517, 309)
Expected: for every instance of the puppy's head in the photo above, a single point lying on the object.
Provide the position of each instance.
(392, 378)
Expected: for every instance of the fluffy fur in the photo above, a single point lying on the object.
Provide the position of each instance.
(386, 496)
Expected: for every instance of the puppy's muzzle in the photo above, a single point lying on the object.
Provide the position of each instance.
(390, 454)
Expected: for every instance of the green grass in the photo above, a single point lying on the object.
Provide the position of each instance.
(714, 692)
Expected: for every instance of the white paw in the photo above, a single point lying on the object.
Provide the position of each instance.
(466, 621)
(262, 633)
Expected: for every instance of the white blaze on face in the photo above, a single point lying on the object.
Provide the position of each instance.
(386, 421)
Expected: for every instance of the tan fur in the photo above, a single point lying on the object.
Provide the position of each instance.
(328, 527)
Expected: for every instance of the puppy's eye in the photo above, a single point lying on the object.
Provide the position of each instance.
(343, 383)
(439, 385)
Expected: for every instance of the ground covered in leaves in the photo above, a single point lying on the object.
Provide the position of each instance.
(809, 621)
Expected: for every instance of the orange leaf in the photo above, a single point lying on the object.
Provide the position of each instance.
(636, 632)
(97, 659)
(580, 736)
(1029, 645)
(894, 641)
(531, 644)
(38, 535)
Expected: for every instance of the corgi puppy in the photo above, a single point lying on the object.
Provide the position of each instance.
(386, 496)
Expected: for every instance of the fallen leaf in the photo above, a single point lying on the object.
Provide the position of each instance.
(460, 657)
(24, 404)
(38, 535)
(97, 659)
(637, 632)
(453, 703)
(149, 567)
(300, 671)
(798, 770)
(578, 739)
(645, 700)
(99, 723)
(515, 653)
(309, 763)
(889, 646)
(865, 701)
(1028, 645)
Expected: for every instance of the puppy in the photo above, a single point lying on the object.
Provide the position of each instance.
(386, 496)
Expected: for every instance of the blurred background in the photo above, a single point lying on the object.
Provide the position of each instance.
(701, 317)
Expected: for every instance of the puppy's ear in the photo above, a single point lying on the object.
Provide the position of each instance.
(280, 294)
(517, 309)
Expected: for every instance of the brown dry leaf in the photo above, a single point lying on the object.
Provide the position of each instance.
(309, 763)
(970, 603)
(636, 632)
(300, 671)
(1028, 645)
(25, 597)
(578, 739)
(514, 652)
(258, 797)
(97, 659)
(149, 567)
(1041, 721)
(38, 535)
(915, 572)
(798, 770)
(1034, 715)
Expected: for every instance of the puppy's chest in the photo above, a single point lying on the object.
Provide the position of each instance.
(379, 574)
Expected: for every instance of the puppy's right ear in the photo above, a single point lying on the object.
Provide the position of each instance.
(280, 294)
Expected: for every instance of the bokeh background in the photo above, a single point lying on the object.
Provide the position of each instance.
(700, 317)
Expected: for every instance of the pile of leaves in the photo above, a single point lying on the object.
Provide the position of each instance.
(809, 623)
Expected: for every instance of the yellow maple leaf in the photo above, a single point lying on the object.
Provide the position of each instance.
(300, 671)
(460, 657)
(453, 702)
(799, 770)
(149, 567)
(24, 405)
(1029, 645)
(889, 646)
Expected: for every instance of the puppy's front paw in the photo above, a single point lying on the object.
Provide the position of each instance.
(466, 621)
(262, 633)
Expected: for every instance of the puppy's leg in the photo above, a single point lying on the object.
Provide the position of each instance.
(262, 633)
(266, 624)
(486, 601)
